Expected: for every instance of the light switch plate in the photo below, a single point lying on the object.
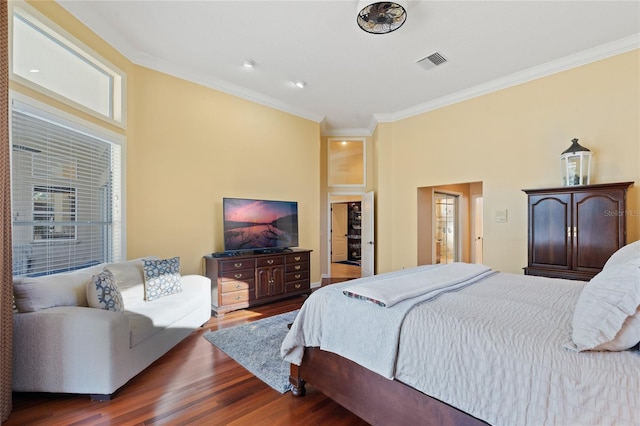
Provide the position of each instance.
(501, 216)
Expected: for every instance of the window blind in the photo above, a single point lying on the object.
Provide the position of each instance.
(65, 195)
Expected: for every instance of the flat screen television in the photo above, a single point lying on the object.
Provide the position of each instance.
(259, 225)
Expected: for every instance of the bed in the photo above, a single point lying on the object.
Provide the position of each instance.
(484, 347)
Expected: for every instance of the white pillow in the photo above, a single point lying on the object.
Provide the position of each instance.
(130, 280)
(627, 337)
(103, 293)
(606, 315)
(625, 253)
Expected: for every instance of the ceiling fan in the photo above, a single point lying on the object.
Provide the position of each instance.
(381, 17)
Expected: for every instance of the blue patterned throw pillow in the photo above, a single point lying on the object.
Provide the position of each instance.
(161, 277)
(103, 292)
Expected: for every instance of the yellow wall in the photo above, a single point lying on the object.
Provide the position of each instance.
(510, 140)
(189, 146)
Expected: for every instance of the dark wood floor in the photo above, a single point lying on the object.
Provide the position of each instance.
(194, 383)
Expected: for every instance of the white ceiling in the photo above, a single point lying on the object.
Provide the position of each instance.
(355, 79)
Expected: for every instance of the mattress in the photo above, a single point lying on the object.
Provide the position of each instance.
(500, 350)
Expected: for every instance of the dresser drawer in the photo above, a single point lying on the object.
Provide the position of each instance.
(270, 261)
(296, 276)
(297, 257)
(237, 275)
(231, 286)
(233, 297)
(297, 286)
(238, 264)
(297, 267)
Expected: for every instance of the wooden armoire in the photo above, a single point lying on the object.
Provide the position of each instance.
(574, 230)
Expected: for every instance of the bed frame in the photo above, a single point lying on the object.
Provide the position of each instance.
(372, 397)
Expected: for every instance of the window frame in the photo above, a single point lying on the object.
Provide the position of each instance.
(50, 29)
(62, 118)
(336, 160)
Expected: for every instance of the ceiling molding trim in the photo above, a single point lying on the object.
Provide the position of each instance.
(582, 58)
(373, 123)
(385, 118)
(347, 132)
(156, 64)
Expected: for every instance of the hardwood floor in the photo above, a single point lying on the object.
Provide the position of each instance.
(340, 270)
(194, 383)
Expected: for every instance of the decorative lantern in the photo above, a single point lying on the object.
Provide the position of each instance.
(576, 165)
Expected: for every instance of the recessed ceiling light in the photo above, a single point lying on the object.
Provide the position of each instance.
(249, 63)
(300, 84)
(34, 70)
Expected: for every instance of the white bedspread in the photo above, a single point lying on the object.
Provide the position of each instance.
(495, 350)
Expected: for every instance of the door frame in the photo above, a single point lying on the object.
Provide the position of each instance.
(477, 221)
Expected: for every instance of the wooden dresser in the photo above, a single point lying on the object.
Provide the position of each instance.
(247, 280)
(574, 230)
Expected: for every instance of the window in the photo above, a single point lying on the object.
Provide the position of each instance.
(346, 161)
(65, 191)
(57, 207)
(52, 62)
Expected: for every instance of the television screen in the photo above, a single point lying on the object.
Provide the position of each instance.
(259, 224)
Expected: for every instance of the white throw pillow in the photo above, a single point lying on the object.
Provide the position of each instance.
(606, 315)
(130, 280)
(624, 254)
(161, 277)
(103, 293)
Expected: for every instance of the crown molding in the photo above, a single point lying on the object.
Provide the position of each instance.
(202, 79)
(355, 132)
(604, 51)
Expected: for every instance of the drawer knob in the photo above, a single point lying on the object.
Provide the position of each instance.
(270, 261)
(238, 286)
(238, 297)
(297, 285)
(298, 267)
(297, 276)
(238, 276)
(297, 258)
(238, 265)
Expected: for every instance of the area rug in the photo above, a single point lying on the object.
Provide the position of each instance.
(256, 346)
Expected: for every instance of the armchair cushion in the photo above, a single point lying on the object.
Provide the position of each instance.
(66, 289)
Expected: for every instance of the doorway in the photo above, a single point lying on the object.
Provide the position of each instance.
(446, 227)
(346, 225)
(449, 223)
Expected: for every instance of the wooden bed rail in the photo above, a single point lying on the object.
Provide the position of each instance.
(372, 397)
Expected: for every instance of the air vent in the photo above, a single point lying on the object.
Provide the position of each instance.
(431, 61)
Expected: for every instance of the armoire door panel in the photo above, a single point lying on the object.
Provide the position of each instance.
(549, 239)
(599, 229)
